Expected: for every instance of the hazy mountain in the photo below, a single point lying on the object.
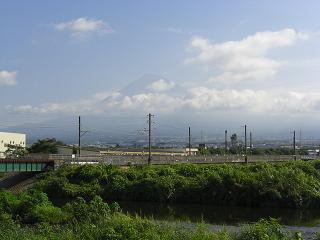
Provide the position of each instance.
(140, 85)
(143, 85)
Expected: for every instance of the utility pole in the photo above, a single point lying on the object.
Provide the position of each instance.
(79, 136)
(294, 145)
(245, 144)
(149, 130)
(300, 139)
(189, 141)
(251, 146)
(226, 139)
(201, 140)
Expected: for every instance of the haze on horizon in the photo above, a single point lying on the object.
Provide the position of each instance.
(213, 65)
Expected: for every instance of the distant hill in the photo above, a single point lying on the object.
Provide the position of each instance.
(140, 85)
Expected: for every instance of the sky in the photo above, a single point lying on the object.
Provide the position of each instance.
(209, 64)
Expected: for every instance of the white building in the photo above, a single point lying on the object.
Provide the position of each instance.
(192, 151)
(7, 139)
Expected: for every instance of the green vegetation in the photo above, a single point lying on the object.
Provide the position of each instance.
(15, 151)
(68, 203)
(291, 184)
(30, 215)
(254, 151)
(47, 145)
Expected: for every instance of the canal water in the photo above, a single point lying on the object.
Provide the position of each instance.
(306, 221)
(221, 215)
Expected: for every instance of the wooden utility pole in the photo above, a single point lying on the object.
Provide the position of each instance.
(300, 139)
(226, 139)
(245, 144)
(149, 130)
(294, 145)
(189, 141)
(79, 137)
(251, 146)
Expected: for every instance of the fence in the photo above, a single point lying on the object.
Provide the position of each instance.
(124, 160)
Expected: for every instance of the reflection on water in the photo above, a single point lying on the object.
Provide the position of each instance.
(221, 215)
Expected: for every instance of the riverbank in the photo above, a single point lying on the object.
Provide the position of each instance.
(70, 203)
(294, 184)
(30, 215)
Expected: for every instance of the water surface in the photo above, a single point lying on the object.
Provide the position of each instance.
(231, 216)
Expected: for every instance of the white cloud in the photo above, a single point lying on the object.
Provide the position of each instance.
(8, 78)
(247, 100)
(83, 26)
(161, 86)
(245, 59)
(228, 99)
(199, 99)
(151, 101)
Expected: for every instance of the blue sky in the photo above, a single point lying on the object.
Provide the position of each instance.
(64, 58)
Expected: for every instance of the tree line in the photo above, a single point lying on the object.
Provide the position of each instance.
(47, 145)
(251, 151)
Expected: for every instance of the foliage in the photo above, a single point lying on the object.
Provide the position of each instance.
(253, 151)
(263, 230)
(84, 214)
(291, 184)
(95, 219)
(47, 145)
(15, 151)
(29, 207)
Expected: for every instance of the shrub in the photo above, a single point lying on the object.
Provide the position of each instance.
(292, 184)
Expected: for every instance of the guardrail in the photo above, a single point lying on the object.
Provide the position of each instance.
(122, 160)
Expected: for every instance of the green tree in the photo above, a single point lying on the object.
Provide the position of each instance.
(234, 140)
(47, 145)
(15, 151)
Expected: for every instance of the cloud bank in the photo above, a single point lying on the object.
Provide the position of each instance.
(83, 27)
(245, 59)
(200, 99)
(161, 86)
(8, 78)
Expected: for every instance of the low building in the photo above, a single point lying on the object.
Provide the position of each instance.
(313, 152)
(68, 150)
(14, 139)
(192, 151)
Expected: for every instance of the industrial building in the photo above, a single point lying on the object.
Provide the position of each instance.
(7, 139)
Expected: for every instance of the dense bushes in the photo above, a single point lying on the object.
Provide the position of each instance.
(33, 206)
(97, 220)
(253, 151)
(122, 227)
(292, 184)
(84, 215)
